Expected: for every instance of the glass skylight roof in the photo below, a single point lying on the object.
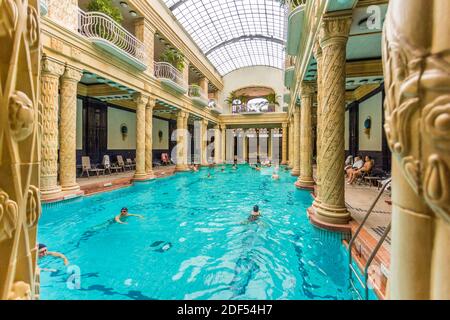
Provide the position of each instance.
(235, 33)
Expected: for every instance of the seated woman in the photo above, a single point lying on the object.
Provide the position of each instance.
(358, 164)
(43, 251)
(368, 165)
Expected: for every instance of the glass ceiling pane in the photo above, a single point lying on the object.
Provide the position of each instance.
(235, 33)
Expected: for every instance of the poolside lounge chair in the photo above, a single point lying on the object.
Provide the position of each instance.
(86, 167)
(107, 165)
(122, 164)
(131, 164)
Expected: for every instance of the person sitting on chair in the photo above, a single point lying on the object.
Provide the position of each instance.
(358, 164)
(368, 165)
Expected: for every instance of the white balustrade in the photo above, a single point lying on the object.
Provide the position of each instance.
(165, 71)
(96, 25)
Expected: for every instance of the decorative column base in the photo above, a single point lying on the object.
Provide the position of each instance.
(324, 214)
(305, 183)
(295, 173)
(73, 187)
(51, 191)
(317, 222)
(144, 177)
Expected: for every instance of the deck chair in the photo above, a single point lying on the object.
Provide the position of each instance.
(86, 167)
(108, 166)
(122, 164)
(131, 164)
(165, 159)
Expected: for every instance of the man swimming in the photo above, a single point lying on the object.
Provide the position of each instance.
(255, 214)
(123, 214)
(43, 251)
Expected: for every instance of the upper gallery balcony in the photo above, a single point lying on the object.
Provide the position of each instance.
(198, 95)
(295, 23)
(106, 33)
(215, 107)
(171, 77)
(258, 108)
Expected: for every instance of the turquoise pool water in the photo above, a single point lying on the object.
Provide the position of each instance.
(192, 243)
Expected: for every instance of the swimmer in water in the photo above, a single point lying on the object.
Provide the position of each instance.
(43, 251)
(123, 214)
(255, 215)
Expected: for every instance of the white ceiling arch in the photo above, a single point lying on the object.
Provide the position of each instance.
(235, 34)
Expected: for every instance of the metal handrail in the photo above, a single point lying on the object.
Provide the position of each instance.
(377, 247)
(164, 70)
(98, 25)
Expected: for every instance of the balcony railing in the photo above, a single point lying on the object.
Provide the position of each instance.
(251, 109)
(198, 95)
(296, 3)
(111, 36)
(170, 76)
(214, 106)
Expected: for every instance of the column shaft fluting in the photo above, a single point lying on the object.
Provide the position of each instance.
(204, 142)
(217, 145)
(68, 129)
(318, 56)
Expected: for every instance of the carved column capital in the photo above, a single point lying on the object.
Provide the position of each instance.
(151, 103)
(307, 89)
(72, 74)
(140, 99)
(335, 30)
(52, 67)
(284, 125)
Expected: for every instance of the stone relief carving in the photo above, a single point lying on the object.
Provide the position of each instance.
(418, 96)
(19, 146)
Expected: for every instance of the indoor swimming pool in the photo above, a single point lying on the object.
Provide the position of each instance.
(193, 242)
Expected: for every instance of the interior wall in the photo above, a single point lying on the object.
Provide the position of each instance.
(79, 124)
(117, 117)
(253, 76)
(371, 107)
(163, 126)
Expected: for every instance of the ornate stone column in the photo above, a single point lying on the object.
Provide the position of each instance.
(141, 101)
(245, 146)
(296, 144)
(51, 72)
(284, 145)
(330, 202)
(291, 143)
(306, 180)
(204, 142)
(224, 141)
(317, 50)
(217, 145)
(149, 137)
(68, 129)
(182, 118)
(417, 108)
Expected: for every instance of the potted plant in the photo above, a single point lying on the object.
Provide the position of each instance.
(174, 57)
(106, 7)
